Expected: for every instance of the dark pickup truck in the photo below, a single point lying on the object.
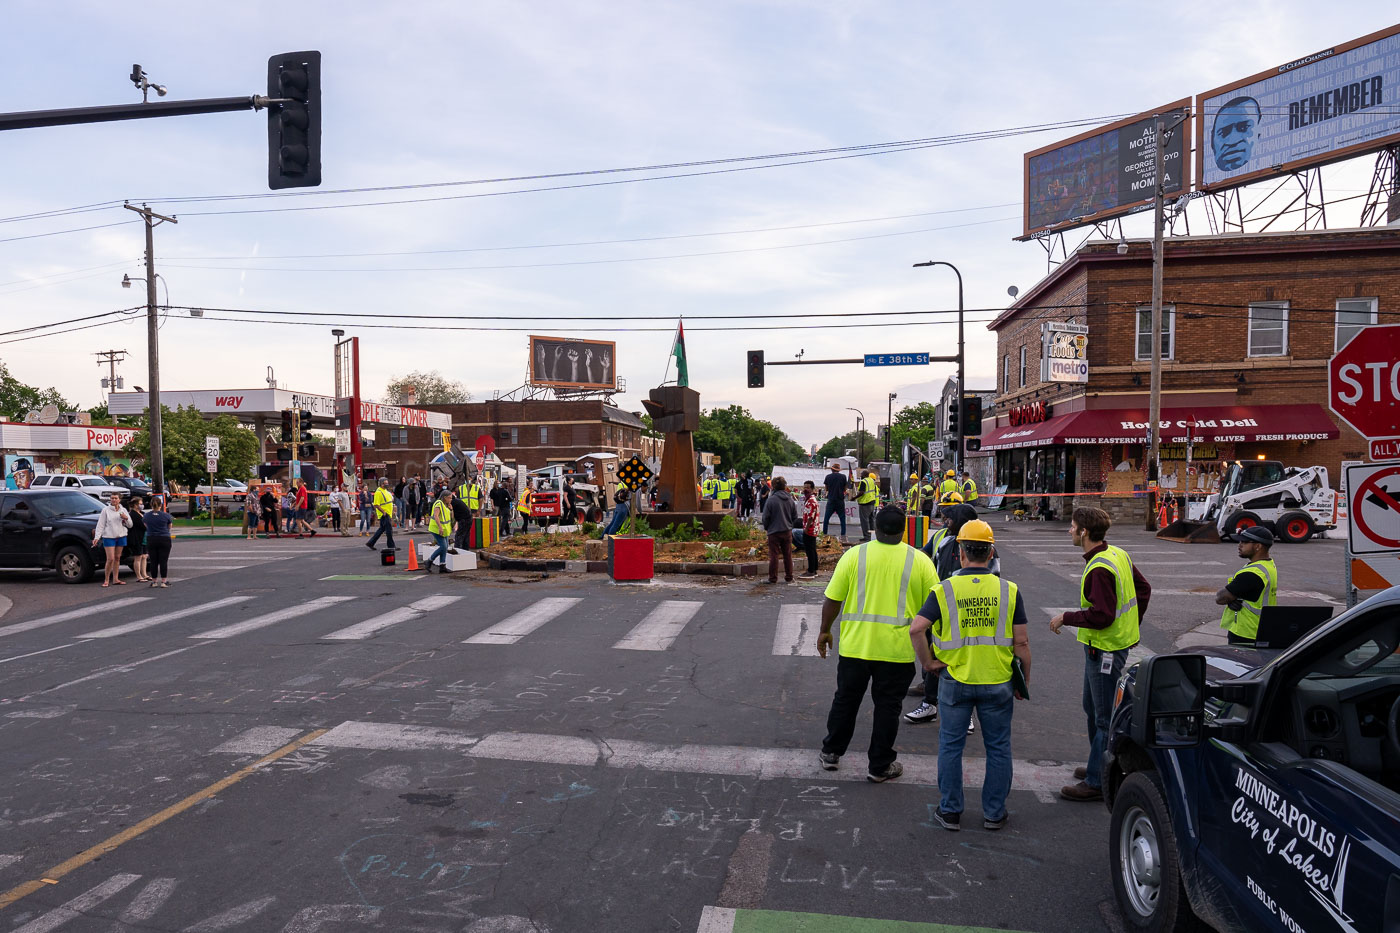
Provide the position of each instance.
(1260, 790)
(50, 530)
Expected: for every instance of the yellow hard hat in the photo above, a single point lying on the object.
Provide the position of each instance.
(951, 473)
(950, 498)
(913, 475)
(976, 530)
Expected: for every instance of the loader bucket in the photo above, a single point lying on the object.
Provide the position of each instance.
(1189, 532)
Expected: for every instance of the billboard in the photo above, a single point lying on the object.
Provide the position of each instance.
(1104, 172)
(1064, 355)
(1335, 103)
(573, 364)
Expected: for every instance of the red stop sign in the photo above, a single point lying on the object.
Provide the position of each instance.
(1363, 381)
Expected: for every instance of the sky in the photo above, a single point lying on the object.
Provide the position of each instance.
(458, 95)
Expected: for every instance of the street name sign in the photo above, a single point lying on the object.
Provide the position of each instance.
(896, 359)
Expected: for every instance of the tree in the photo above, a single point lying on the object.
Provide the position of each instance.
(871, 447)
(429, 388)
(18, 399)
(183, 432)
(917, 424)
(744, 442)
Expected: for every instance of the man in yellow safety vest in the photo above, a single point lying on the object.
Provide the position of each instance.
(710, 486)
(1113, 596)
(867, 497)
(470, 494)
(1251, 588)
(384, 511)
(978, 624)
(873, 594)
(949, 484)
(968, 488)
(913, 496)
(726, 491)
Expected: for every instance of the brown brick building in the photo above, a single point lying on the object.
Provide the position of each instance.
(1249, 322)
(532, 433)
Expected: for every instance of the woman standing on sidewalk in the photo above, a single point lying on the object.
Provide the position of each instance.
(362, 503)
(158, 541)
(136, 541)
(250, 513)
(112, 526)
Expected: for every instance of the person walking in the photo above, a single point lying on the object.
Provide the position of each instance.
(621, 510)
(874, 594)
(363, 508)
(267, 505)
(1251, 588)
(398, 501)
(113, 523)
(979, 626)
(305, 515)
(809, 528)
(868, 498)
(1113, 597)
(835, 483)
(500, 498)
(136, 541)
(523, 507)
(159, 539)
(250, 513)
(779, 518)
(384, 512)
(287, 513)
(440, 527)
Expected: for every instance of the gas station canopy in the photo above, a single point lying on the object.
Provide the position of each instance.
(253, 405)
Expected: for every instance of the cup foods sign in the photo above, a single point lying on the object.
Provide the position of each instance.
(1064, 352)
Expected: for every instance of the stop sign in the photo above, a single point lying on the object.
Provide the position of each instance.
(1363, 381)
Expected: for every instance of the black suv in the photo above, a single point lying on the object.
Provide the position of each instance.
(134, 487)
(50, 530)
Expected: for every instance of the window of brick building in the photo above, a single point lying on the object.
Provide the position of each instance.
(398, 435)
(1023, 367)
(1006, 372)
(1268, 328)
(1144, 332)
(544, 435)
(1352, 315)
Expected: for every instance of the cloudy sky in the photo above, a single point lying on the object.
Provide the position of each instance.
(432, 94)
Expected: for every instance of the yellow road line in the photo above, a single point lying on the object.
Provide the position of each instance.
(107, 845)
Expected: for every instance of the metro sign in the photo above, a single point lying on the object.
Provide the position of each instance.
(1363, 382)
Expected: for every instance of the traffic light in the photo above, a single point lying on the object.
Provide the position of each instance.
(306, 451)
(286, 437)
(294, 125)
(304, 429)
(952, 419)
(972, 416)
(755, 369)
(284, 454)
(973, 443)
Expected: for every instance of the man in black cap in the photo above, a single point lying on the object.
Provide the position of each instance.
(1252, 588)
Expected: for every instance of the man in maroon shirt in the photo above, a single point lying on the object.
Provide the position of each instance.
(1102, 665)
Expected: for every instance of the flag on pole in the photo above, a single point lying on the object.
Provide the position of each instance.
(678, 351)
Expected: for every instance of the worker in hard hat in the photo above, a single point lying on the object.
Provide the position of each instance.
(868, 498)
(913, 496)
(978, 625)
(949, 486)
(968, 487)
(928, 495)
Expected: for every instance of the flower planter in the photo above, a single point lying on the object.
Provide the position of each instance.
(631, 558)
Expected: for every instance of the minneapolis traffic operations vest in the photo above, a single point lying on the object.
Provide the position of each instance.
(440, 521)
(1123, 632)
(869, 491)
(973, 635)
(1244, 622)
(885, 586)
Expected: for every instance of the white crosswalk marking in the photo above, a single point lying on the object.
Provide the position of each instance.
(272, 618)
(511, 630)
(796, 635)
(369, 627)
(78, 906)
(92, 609)
(164, 617)
(661, 627)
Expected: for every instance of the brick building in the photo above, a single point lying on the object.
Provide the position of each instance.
(532, 434)
(1249, 322)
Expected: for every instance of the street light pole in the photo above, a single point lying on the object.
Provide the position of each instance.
(962, 380)
(860, 434)
(1154, 404)
(889, 426)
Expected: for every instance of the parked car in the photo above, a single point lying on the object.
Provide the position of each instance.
(1255, 789)
(50, 529)
(136, 487)
(224, 487)
(99, 487)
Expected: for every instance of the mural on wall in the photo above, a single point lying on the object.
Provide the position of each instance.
(20, 469)
(19, 473)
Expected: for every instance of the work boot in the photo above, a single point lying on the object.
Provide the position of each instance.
(1080, 773)
(829, 761)
(1081, 792)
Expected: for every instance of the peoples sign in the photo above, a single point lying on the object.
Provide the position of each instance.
(1363, 381)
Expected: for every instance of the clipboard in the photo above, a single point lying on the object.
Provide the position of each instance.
(1018, 678)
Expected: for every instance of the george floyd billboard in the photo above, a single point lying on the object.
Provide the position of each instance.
(1327, 106)
(1104, 172)
(573, 364)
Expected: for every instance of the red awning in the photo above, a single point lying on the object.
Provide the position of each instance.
(1234, 423)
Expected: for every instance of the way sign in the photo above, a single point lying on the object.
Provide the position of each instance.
(211, 446)
(896, 359)
(1373, 508)
(1363, 381)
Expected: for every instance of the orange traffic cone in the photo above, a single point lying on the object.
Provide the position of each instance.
(412, 556)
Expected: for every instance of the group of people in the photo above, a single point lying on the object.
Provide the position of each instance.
(747, 495)
(948, 607)
(292, 512)
(144, 536)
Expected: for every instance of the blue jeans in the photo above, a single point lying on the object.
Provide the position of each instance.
(1098, 706)
(619, 516)
(440, 550)
(837, 507)
(993, 703)
(386, 527)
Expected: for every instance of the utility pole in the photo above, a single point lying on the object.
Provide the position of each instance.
(1154, 405)
(157, 452)
(961, 360)
(110, 358)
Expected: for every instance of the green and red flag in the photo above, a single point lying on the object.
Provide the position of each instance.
(678, 351)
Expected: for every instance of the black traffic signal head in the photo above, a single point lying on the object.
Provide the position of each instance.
(306, 451)
(972, 416)
(304, 436)
(286, 436)
(755, 369)
(284, 454)
(294, 126)
(952, 419)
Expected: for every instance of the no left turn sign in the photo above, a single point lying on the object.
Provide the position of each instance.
(1373, 508)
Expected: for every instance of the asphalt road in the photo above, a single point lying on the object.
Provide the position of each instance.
(266, 747)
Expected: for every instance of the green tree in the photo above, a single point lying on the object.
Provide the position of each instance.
(182, 434)
(18, 399)
(917, 424)
(429, 388)
(871, 447)
(744, 442)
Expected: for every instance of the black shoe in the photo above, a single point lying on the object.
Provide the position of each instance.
(893, 770)
(994, 825)
(949, 821)
(367, 544)
(829, 761)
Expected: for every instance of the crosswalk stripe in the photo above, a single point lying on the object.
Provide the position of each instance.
(100, 608)
(511, 630)
(796, 635)
(362, 630)
(78, 906)
(272, 618)
(164, 617)
(661, 627)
